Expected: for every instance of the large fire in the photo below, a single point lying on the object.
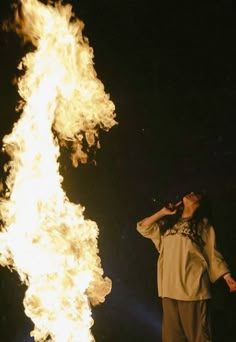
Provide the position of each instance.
(45, 237)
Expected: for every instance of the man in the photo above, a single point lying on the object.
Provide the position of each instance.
(188, 263)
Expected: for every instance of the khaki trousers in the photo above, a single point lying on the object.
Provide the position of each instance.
(186, 321)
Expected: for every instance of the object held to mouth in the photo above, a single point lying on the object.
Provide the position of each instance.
(173, 207)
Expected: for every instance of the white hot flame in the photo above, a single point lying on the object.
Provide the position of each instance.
(45, 237)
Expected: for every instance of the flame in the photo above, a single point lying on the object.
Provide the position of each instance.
(45, 237)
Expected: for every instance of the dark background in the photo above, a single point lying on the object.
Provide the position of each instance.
(170, 68)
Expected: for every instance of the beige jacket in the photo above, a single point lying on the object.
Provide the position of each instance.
(184, 270)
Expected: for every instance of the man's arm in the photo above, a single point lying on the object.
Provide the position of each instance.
(230, 282)
(148, 221)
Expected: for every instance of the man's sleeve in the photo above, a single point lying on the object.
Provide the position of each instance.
(151, 232)
(217, 266)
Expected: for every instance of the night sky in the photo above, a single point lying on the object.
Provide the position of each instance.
(170, 69)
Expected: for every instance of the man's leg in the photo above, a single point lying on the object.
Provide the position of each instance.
(195, 319)
(172, 330)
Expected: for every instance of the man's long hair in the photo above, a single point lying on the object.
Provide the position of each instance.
(201, 219)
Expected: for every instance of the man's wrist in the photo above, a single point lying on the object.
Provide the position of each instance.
(226, 275)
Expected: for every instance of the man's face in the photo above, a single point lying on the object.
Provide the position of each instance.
(192, 199)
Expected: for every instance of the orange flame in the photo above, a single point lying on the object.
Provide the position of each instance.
(45, 237)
